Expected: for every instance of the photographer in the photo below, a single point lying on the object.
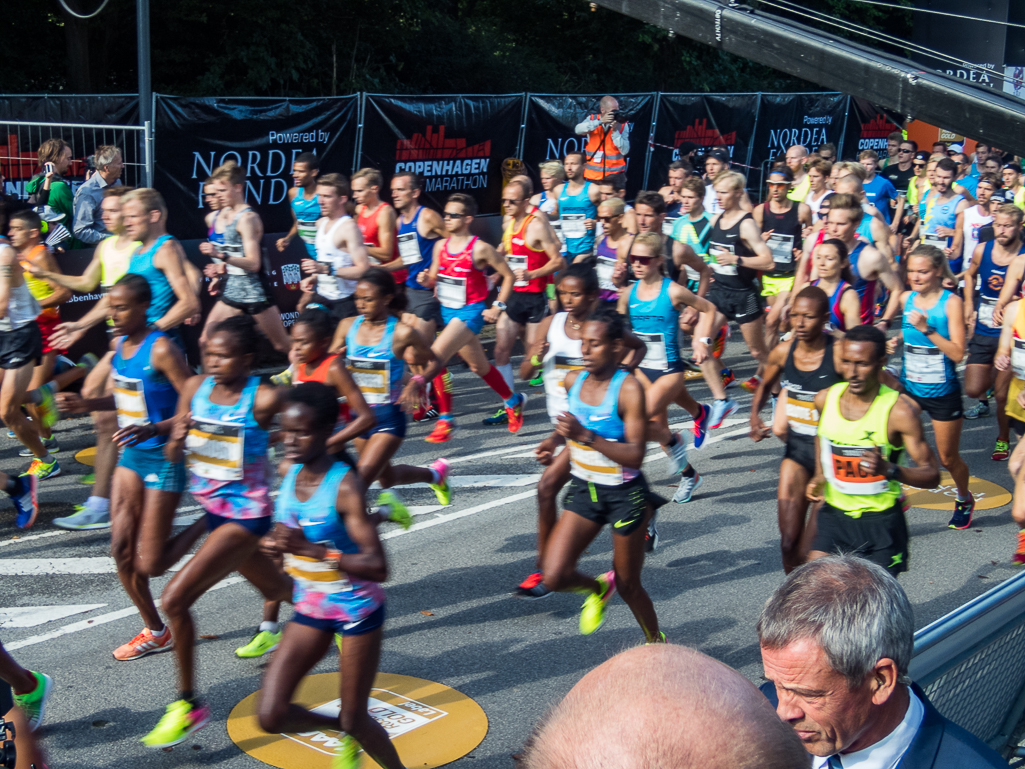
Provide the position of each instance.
(89, 229)
(30, 709)
(48, 187)
(608, 141)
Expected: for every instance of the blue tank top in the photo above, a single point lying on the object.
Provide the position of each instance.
(416, 250)
(938, 214)
(836, 318)
(320, 590)
(163, 297)
(864, 230)
(307, 212)
(991, 279)
(655, 323)
(927, 372)
(603, 419)
(142, 394)
(374, 368)
(573, 210)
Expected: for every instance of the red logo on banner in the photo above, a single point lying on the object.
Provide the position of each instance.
(432, 145)
(704, 136)
(878, 127)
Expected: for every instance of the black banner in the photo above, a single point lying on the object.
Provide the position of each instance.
(455, 143)
(701, 122)
(867, 128)
(551, 120)
(102, 109)
(194, 136)
(809, 119)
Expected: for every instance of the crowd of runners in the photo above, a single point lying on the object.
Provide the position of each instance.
(858, 287)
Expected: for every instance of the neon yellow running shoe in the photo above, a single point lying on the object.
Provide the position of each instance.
(660, 640)
(88, 479)
(441, 489)
(347, 754)
(592, 615)
(284, 379)
(43, 470)
(397, 512)
(263, 642)
(179, 721)
(47, 406)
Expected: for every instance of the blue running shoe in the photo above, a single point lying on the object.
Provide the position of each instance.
(701, 427)
(25, 500)
(720, 410)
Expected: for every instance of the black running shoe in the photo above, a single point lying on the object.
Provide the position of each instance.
(963, 511)
(533, 588)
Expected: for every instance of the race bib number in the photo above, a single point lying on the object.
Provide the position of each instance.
(517, 262)
(593, 466)
(782, 247)
(327, 285)
(451, 291)
(214, 449)
(1018, 358)
(307, 231)
(409, 249)
(130, 402)
(924, 365)
(316, 576)
(842, 467)
(373, 378)
(573, 226)
(802, 416)
(932, 239)
(721, 269)
(605, 267)
(667, 226)
(987, 304)
(557, 226)
(655, 358)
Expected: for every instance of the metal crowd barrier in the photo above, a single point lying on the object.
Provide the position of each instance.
(971, 664)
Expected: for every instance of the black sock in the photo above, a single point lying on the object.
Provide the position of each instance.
(672, 441)
(689, 472)
(189, 696)
(12, 484)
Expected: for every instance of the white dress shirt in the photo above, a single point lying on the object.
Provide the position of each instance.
(886, 753)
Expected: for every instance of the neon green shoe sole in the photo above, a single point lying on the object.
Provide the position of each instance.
(397, 512)
(33, 704)
(263, 642)
(179, 721)
(592, 615)
(88, 479)
(347, 754)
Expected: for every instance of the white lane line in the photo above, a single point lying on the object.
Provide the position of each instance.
(446, 517)
(35, 567)
(30, 537)
(30, 616)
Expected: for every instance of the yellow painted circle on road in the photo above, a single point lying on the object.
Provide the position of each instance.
(429, 723)
(87, 456)
(987, 495)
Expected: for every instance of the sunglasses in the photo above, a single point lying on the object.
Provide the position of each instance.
(918, 165)
(608, 218)
(905, 152)
(511, 201)
(450, 215)
(645, 260)
(778, 184)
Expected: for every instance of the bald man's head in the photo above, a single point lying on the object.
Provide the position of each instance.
(608, 104)
(672, 708)
(849, 185)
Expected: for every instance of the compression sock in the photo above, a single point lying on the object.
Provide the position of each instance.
(270, 627)
(443, 391)
(497, 383)
(99, 504)
(507, 374)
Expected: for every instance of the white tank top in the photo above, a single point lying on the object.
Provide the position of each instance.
(22, 308)
(562, 357)
(814, 204)
(974, 220)
(328, 286)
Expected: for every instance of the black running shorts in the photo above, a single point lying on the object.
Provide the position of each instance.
(946, 408)
(982, 350)
(741, 305)
(527, 307)
(424, 305)
(801, 449)
(21, 347)
(625, 506)
(881, 538)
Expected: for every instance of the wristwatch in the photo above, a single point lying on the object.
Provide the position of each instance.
(705, 340)
(501, 306)
(892, 472)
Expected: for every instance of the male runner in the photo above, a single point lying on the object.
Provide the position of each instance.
(1014, 192)
(578, 207)
(872, 227)
(795, 159)
(531, 250)
(715, 163)
(691, 234)
(971, 221)
(964, 183)
(456, 274)
(377, 222)
(302, 199)
(679, 170)
(893, 141)
(614, 186)
(878, 189)
(938, 212)
(863, 424)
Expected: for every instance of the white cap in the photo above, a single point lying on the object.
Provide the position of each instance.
(956, 148)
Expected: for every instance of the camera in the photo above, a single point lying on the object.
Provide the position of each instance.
(8, 757)
(90, 162)
(620, 116)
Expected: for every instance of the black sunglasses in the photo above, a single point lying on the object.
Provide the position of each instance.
(450, 215)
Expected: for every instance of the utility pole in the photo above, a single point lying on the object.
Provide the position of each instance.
(145, 86)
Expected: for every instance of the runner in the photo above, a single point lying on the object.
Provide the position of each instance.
(221, 429)
(604, 426)
(818, 173)
(878, 189)
(302, 199)
(461, 289)
(972, 220)
(872, 228)
(679, 171)
(933, 332)
(803, 365)
(837, 280)
(782, 222)
(612, 249)
(532, 253)
(1014, 192)
(333, 553)
(692, 232)
(863, 424)
(938, 212)
(578, 205)
(148, 371)
(795, 159)
(614, 186)
(341, 256)
(717, 162)
(653, 305)
(377, 346)
(1010, 360)
(992, 267)
(214, 242)
(737, 253)
(242, 254)
(553, 175)
(377, 222)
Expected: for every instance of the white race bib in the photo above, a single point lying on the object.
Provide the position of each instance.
(573, 226)
(932, 239)
(1018, 358)
(655, 358)
(604, 267)
(517, 262)
(557, 226)
(373, 378)
(451, 291)
(593, 466)
(987, 304)
(924, 365)
(409, 248)
(721, 269)
(214, 449)
(130, 402)
(307, 231)
(667, 226)
(782, 247)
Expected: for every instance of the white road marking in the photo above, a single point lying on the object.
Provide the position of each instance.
(30, 537)
(30, 616)
(446, 517)
(35, 567)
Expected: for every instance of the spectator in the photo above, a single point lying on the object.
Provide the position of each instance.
(836, 640)
(48, 188)
(678, 709)
(939, 148)
(89, 229)
(608, 141)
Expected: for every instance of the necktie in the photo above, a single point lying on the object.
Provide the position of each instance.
(834, 762)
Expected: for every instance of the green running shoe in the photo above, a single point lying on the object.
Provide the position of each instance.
(537, 382)
(43, 470)
(47, 406)
(33, 704)
(441, 490)
(284, 379)
(592, 615)
(660, 640)
(498, 418)
(88, 479)
(181, 719)
(264, 642)
(397, 512)
(346, 754)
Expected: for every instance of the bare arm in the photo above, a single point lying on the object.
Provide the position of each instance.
(170, 260)
(685, 256)
(83, 283)
(60, 293)
(1003, 356)
(361, 417)
(250, 228)
(484, 252)
(905, 420)
(386, 253)
(541, 233)
(282, 243)
(8, 257)
(773, 369)
(349, 238)
(1012, 278)
(538, 351)
(752, 237)
(969, 282)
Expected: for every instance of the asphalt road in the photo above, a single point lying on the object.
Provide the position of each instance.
(451, 618)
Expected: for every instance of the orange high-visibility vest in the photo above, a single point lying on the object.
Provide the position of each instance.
(602, 157)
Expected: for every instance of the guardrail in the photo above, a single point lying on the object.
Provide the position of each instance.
(971, 664)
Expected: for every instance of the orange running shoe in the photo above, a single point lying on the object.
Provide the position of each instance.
(515, 414)
(751, 384)
(143, 644)
(442, 432)
(720, 341)
(1018, 559)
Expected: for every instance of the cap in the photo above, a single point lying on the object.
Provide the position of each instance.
(1014, 167)
(720, 156)
(956, 147)
(922, 156)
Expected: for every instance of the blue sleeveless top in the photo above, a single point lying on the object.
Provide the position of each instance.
(307, 212)
(163, 297)
(226, 453)
(991, 278)
(655, 322)
(603, 419)
(416, 250)
(374, 368)
(141, 393)
(927, 372)
(576, 208)
(320, 590)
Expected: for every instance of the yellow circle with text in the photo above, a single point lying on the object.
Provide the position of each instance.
(87, 456)
(429, 723)
(988, 495)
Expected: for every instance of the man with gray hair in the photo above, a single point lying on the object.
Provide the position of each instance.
(608, 141)
(675, 708)
(836, 639)
(88, 227)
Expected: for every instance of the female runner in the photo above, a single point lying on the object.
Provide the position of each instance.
(332, 551)
(837, 280)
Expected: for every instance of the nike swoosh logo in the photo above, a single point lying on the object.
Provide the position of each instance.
(622, 524)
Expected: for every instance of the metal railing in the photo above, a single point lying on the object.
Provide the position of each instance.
(19, 143)
(971, 663)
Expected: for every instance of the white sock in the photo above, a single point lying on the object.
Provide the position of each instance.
(507, 375)
(270, 627)
(159, 634)
(99, 504)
